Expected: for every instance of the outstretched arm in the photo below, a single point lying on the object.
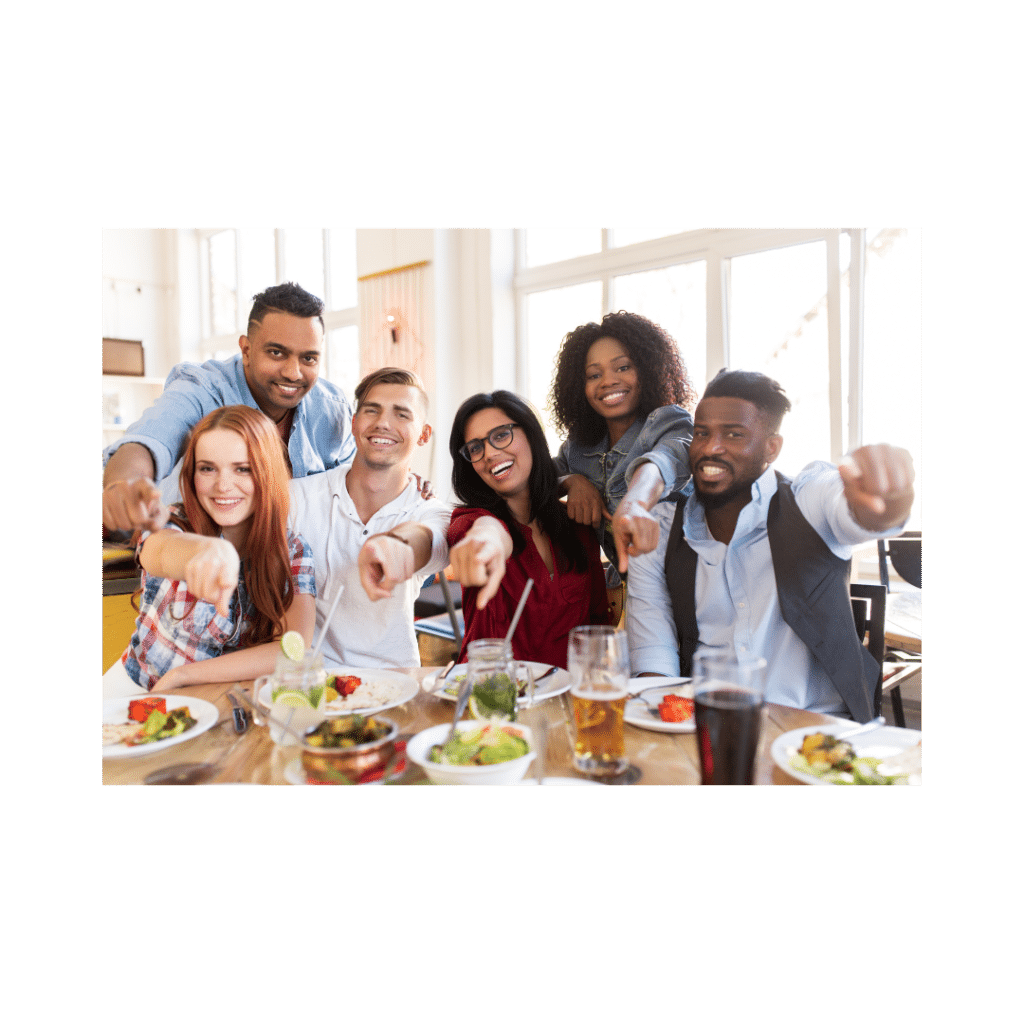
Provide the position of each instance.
(131, 500)
(635, 530)
(478, 560)
(878, 481)
(249, 662)
(387, 559)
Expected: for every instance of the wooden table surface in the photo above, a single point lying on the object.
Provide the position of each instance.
(663, 758)
(903, 620)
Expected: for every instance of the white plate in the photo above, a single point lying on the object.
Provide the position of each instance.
(115, 710)
(408, 688)
(639, 714)
(883, 742)
(555, 684)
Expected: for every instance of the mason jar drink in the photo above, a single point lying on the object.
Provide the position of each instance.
(599, 673)
(494, 675)
(297, 696)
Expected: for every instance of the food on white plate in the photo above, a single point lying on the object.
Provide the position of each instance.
(490, 744)
(158, 724)
(354, 692)
(836, 761)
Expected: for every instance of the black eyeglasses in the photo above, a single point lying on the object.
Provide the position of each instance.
(499, 437)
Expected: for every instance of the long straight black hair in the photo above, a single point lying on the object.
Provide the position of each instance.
(474, 492)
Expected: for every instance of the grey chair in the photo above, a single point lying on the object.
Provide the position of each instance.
(868, 603)
(904, 552)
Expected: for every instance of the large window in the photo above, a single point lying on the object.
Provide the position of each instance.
(237, 263)
(833, 315)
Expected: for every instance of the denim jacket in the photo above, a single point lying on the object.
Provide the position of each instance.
(663, 439)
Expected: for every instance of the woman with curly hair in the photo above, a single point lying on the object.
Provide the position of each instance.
(512, 527)
(224, 579)
(620, 394)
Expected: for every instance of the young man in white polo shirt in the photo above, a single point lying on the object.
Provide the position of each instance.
(371, 531)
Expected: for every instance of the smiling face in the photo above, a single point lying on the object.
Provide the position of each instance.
(389, 425)
(223, 480)
(505, 470)
(732, 446)
(281, 358)
(611, 383)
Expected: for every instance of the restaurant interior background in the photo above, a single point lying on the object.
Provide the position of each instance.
(834, 315)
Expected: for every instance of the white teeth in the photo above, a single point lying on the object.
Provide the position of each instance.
(501, 467)
(382, 441)
(614, 396)
(711, 470)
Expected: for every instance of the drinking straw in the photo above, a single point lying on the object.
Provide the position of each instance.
(519, 611)
(330, 615)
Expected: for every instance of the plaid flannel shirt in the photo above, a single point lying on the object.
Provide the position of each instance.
(175, 628)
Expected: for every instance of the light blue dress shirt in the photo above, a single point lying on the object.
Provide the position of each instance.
(737, 601)
(321, 432)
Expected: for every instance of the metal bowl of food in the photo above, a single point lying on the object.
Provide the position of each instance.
(348, 747)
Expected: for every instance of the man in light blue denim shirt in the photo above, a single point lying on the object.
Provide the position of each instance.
(276, 371)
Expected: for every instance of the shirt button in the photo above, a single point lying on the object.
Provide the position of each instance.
(741, 605)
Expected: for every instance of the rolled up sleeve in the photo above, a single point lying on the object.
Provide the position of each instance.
(665, 442)
(650, 627)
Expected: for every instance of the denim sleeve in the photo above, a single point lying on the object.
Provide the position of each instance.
(561, 461)
(665, 442)
(650, 627)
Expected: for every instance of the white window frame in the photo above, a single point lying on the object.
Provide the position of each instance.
(717, 247)
(210, 343)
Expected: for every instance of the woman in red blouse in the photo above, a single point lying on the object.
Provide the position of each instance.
(511, 527)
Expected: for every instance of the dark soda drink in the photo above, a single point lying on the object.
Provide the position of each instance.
(728, 730)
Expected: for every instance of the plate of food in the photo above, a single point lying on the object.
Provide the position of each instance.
(363, 691)
(133, 726)
(666, 704)
(549, 686)
(817, 755)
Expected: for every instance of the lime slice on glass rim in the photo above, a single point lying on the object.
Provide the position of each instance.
(292, 699)
(293, 646)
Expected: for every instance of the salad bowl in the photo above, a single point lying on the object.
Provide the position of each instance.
(505, 773)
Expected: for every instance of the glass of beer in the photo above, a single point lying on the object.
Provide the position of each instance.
(729, 705)
(599, 674)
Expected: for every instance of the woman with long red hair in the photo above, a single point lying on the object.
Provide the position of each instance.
(224, 579)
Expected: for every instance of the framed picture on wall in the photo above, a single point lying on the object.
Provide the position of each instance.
(123, 357)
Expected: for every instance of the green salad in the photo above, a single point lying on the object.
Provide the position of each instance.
(490, 744)
(858, 771)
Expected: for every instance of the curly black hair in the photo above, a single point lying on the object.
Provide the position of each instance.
(286, 298)
(659, 369)
(545, 506)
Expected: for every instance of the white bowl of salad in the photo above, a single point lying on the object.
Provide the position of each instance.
(482, 753)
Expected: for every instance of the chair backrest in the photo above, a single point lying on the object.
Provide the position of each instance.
(904, 552)
(868, 603)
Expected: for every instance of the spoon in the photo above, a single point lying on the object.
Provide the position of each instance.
(460, 706)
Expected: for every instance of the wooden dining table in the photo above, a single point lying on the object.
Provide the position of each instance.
(656, 758)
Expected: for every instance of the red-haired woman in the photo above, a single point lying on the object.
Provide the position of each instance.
(224, 579)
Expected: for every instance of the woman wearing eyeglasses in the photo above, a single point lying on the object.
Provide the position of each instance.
(511, 527)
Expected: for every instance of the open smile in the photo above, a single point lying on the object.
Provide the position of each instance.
(614, 397)
(501, 470)
(711, 471)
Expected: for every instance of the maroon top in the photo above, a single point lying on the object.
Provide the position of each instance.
(554, 607)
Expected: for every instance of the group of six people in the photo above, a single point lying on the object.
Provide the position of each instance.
(255, 494)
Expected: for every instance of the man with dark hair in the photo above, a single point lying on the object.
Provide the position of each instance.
(276, 370)
(371, 531)
(751, 562)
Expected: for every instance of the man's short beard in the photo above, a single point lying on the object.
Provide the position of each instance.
(716, 501)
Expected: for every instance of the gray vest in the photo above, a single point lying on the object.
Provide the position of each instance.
(814, 599)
